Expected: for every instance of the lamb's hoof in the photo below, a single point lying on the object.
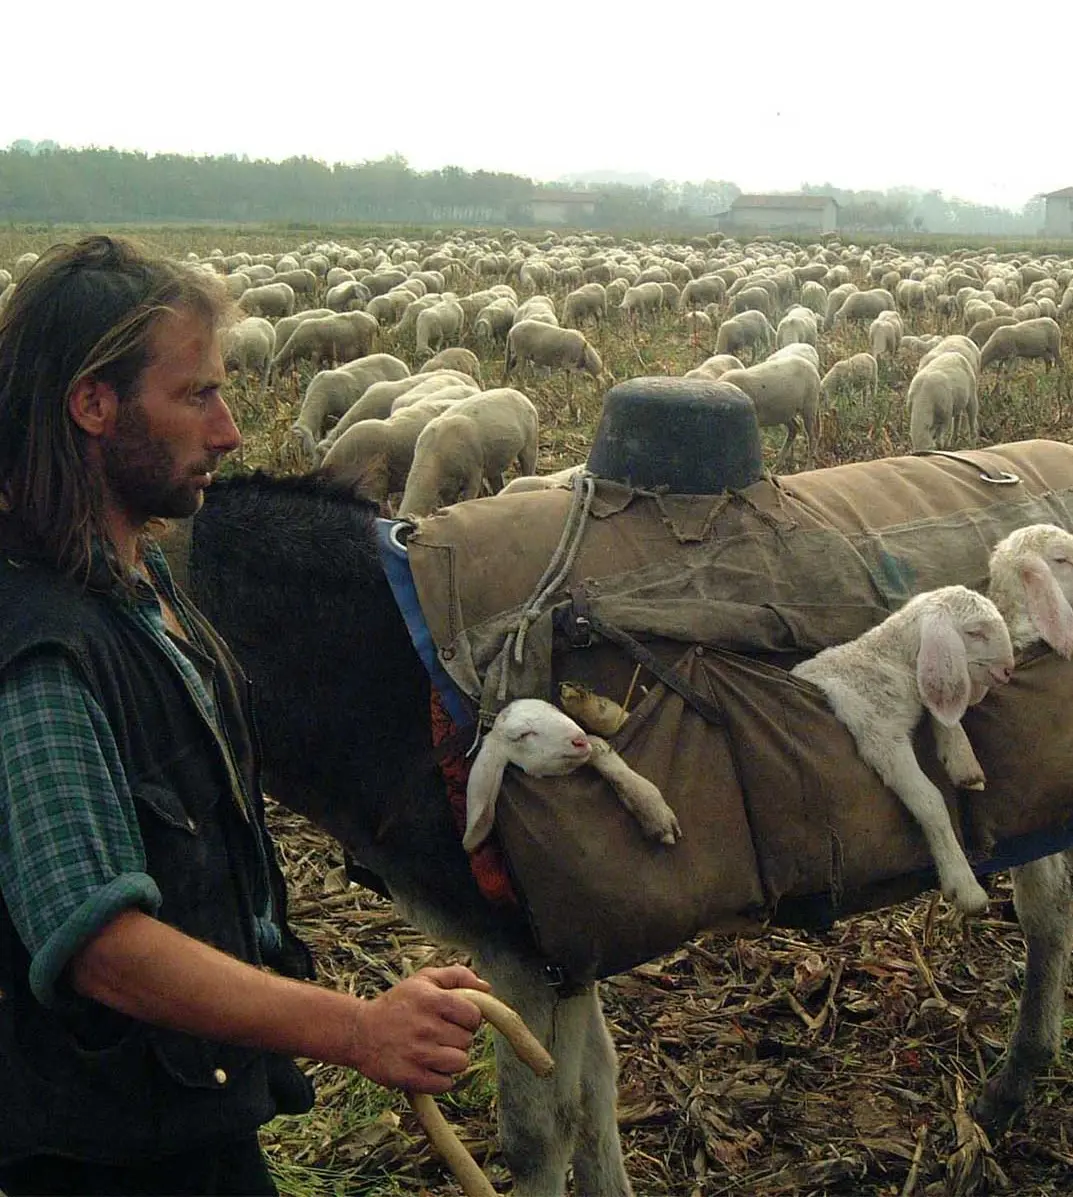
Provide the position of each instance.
(667, 829)
(973, 785)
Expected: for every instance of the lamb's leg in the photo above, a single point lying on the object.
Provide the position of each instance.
(544, 1123)
(897, 764)
(1043, 896)
(636, 793)
(957, 757)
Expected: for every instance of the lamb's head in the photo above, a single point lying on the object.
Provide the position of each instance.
(964, 649)
(1032, 585)
(531, 734)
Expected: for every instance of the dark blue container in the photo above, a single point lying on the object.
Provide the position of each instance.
(693, 435)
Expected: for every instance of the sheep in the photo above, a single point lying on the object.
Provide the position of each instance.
(747, 330)
(465, 361)
(814, 297)
(550, 348)
(586, 302)
(864, 305)
(287, 324)
(1041, 337)
(885, 334)
(954, 343)
(859, 373)
(493, 321)
(1031, 583)
(645, 299)
(798, 325)
(715, 366)
(941, 399)
(939, 653)
(436, 324)
(528, 482)
(476, 441)
(248, 346)
(375, 456)
(536, 307)
(542, 741)
(781, 390)
(699, 292)
(379, 400)
(982, 329)
(336, 338)
(797, 349)
(753, 298)
(347, 296)
(697, 324)
(271, 299)
(835, 299)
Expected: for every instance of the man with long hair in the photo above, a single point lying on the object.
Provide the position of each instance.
(142, 1043)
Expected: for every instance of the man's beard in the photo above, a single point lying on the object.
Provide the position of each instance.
(140, 471)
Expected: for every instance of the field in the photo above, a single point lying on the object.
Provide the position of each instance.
(791, 1065)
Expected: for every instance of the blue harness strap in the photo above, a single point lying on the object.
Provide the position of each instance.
(396, 564)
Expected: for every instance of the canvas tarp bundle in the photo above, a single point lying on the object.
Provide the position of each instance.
(781, 820)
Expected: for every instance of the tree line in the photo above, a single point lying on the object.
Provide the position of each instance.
(45, 183)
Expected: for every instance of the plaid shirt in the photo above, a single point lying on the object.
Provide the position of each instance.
(71, 853)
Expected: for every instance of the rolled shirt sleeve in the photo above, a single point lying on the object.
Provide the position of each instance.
(71, 853)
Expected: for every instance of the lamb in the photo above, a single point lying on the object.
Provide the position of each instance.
(1031, 583)
(476, 441)
(542, 741)
(527, 482)
(942, 400)
(859, 373)
(781, 389)
(1041, 337)
(465, 361)
(939, 653)
(375, 456)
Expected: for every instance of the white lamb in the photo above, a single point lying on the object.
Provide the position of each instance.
(939, 653)
(544, 742)
(1031, 583)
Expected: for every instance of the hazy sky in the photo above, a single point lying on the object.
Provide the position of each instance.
(967, 99)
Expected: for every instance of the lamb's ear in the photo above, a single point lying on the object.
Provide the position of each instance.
(482, 790)
(942, 668)
(1048, 607)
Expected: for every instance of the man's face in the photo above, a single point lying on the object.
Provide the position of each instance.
(168, 438)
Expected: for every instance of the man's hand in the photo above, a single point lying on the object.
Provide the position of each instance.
(418, 1034)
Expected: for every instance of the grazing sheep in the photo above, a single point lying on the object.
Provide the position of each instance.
(437, 324)
(287, 325)
(248, 347)
(1031, 583)
(797, 349)
(748, 330)
(864, 305)
(550, 348)
(753, 298)
(798, 325)
(476, 441)
(542, 741)
(782, 389)
(858, 374)
(699, 292)
(954, 343)
(982, 329)
(645, 299)
(814, 297)
(586, 302)
(885, 334)
(716, 366)
(347, 296)
(537, 307)
(327, 339)
(375, 456)
(697, 323)
(835, 300)
(378, 402)
(465, 361)
(493, 321)
(939, 653)
(271, 299)
(942, 399)
(1041, 337)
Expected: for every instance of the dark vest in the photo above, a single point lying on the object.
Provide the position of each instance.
(80, 1079)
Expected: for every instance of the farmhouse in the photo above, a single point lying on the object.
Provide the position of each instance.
(561, 207)
(781, 214)
(1058, 218)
